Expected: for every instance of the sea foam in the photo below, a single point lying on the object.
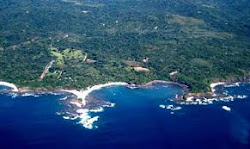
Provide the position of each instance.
(84, 115)
(29, 95)
(241, 96)
(226, 108)
(170, 107)
(233, 85)
(86, 120)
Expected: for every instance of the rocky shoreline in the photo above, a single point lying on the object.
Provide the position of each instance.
(213, 95)
(93, 102)
(81, 103)
(151, 83)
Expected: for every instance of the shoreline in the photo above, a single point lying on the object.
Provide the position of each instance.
(213, 85)
(209, 97)
(82, 98)
(83, 94)
(189, 97)
(151, 83)
(81, 105)
(10, 85)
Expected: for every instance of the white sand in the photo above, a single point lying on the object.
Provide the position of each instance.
(84, 93)
(79, 95)
(213, 85)
(86, 120)
(100, 86)
(13, 86)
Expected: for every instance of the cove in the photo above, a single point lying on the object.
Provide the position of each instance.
(136, 121)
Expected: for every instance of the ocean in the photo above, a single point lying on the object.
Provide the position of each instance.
(142, 118)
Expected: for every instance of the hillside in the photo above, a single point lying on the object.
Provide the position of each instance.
(96, 41)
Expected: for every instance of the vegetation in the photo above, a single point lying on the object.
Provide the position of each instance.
(66, 55)
(201, 39)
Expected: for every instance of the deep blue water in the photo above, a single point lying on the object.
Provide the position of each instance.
(136, 121)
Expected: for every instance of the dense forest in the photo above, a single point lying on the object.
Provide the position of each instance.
(94, 41)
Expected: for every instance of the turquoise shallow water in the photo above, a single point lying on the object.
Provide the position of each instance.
(136, 121)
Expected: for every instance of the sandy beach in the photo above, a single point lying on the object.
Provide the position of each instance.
(82, 94)
(11, 85)
(213, 85)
